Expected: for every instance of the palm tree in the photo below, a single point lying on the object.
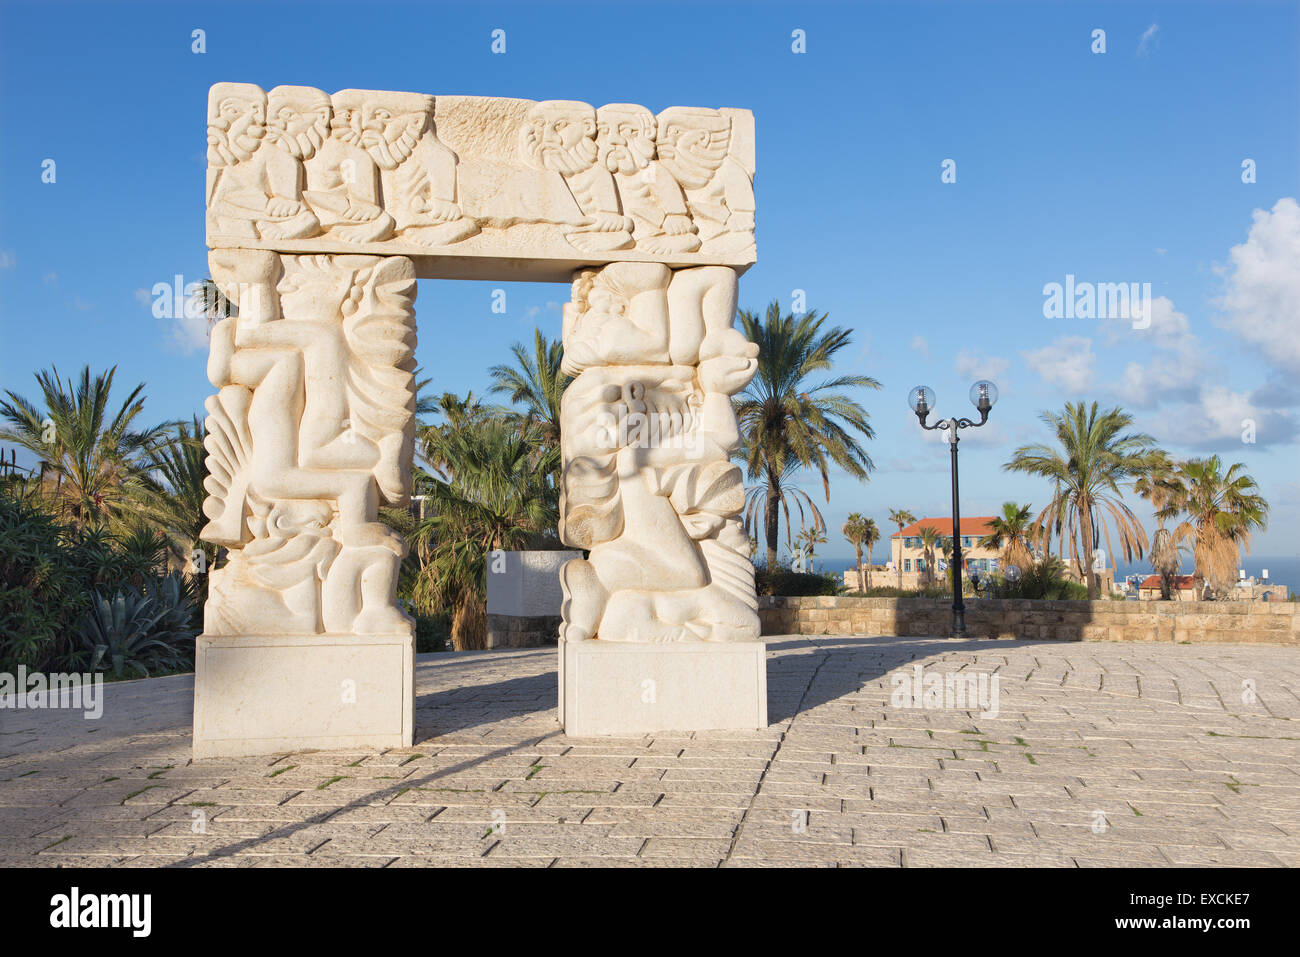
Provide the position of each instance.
(902, 518)
(536, 382)
(757, 497)
(1012, 532)
(855, 532)
(786, 423)
(1166, 559)
(810, 538)
(1221, 509)
(172, 499)
(1093, 456)
(490, 495)
(1160, 486)
(930, 541)
(98, 460)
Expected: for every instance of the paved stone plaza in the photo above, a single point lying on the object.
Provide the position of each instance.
(1102, 754)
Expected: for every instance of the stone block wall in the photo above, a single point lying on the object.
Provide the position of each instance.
(522, 631)
(1198, 622)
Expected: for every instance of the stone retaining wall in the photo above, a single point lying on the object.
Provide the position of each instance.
(1202, 622)
(522, 631)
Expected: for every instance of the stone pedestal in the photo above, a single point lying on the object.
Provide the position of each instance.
(264, 695)
(626, 688)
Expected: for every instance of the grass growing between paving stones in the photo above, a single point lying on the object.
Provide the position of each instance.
(334, 780)
(281, 770)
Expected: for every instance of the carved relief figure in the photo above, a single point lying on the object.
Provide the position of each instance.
(367, 167)
(694, 145)
(298, 119)
(237, 191)
(315, 406)
(560, 136)
(648, 486)
(625, 139)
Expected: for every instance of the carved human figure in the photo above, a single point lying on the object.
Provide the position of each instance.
(618, 314)
(236, 186)
(560, 136)
(298, 119)
(383, 172)
(648, 487)
(625, 139)
(694, 144)
(316, 403)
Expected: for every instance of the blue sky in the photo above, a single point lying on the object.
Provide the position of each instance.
(1123, 166)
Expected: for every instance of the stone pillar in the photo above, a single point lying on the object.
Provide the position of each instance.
(660, 624)
(311, 429)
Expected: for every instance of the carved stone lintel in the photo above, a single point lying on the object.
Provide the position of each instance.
(509, 188)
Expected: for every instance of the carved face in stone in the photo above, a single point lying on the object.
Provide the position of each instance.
(560, 135)
(313, 291)
(298, 119)
(236, 122)
(625, 137)
(693, 143)
(386, 125)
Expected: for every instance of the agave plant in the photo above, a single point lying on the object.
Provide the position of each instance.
(134, 632)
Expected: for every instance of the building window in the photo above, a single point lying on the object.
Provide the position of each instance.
(907, 564)
(965, 541)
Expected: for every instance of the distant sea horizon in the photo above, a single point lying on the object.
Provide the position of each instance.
(1282, 569)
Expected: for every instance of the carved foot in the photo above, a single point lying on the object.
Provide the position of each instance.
(378, 229)
(302, 226)
(443, 234)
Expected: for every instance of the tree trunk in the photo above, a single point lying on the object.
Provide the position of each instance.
(1094, 588)
(771, 519)
(898, 566)
(857, 548)
(469, 624)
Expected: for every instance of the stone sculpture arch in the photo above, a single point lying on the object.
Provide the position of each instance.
(322, 211)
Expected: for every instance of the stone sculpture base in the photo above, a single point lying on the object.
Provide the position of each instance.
(622, 688)
(265, 695)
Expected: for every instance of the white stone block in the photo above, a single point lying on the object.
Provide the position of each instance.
(265, 695)
(526, 584)
(626, 688)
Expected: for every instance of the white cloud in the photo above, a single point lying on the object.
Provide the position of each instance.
(1149, 34)
(972, 365)
(1261, 302)
(1171, 363)
(921, 345)
(188, 334)
(1068, 362)
(51, 278)
(144, 297)
(1220, 418)
(7, 259)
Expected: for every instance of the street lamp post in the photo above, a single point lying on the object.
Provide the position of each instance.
(982, 395)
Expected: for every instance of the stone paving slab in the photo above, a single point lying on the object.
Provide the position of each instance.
(1098, 755)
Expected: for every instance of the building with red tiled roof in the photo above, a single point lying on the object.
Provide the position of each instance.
(1183, 588)
(907, 554)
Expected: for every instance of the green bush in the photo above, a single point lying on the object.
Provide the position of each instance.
(45, 584)
(87, 600)
(1044, 580)
(790, 583)
(432, 633)
(892, 591)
